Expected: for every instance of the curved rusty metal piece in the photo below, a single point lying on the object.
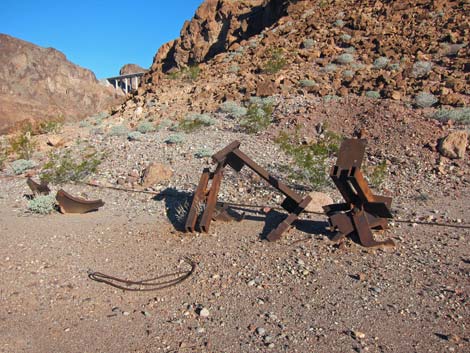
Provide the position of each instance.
(72, 204)
(38, 189)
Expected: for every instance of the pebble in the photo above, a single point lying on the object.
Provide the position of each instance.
(260, 331)
(358, 334)
(204, 312)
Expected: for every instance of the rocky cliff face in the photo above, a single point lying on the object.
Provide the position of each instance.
(40, 83)
(131, 69)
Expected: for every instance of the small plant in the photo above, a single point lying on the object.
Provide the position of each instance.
(64, 167)
(190, 73)
(193, 72)
(276, 62)
(233, 109)
(193, 122)
(345, 37)
(421, 69)
(329, 68)
(330, 97)
(310, 161)
(381, 63)
(308, 43)
(234, 68)
(42, 204)
(460, 116)
(258, 116)
(174, 139)
(348, 74)
(135, 136)
(379, 174)
(145, 127)
(345, 59)
(394, 66)
(373, 94)
(425, 100)
(23, 144)
(84, 124)
(3, 154)
(51, 126)
(118, 130)
(307, 83)
(21, 165)
(350, 50)
(339, 23)
(203, 152)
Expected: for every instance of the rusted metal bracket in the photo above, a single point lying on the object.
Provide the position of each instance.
(362, 211)
(38, 189)
(72, 204)
(294, 203)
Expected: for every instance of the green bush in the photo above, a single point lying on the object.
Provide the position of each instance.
(21, 165)
(63, 167)
(329, 68)
(276, 62)
(339, 23)
(42, 204)
(145, 127)
(307, 83)
(373, 94)
(23, 144)
(258, 116)
(345, 37)
(234, 69)
(118, 130)
(203, 152)
(459, 115)
(308, 43)
(348, 74)
(310, 161)
(379, 174)
(421, 69)
(425, 100)
(233, 109)
(174, 139)
(51, 126)
(135, 136)
(381, 63)
(193, 122)
(345, 59)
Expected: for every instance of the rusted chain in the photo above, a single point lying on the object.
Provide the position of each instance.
(126, 284)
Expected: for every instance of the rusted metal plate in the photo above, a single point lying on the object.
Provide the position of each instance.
(72, 204)
(38, 189)
(198, 199)
(351, 153)
(364, 232)
(220, 156)
(211, 199)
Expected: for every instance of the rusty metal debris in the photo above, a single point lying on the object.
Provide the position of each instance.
(362, 211)
(72, 204)
(231, 155)
(38, 189)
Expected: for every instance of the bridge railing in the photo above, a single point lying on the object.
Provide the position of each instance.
(127, 83)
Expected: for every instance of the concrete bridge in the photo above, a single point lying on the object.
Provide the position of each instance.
(127, 83)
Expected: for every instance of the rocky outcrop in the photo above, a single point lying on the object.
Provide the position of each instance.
(217, 26)
(40, 83)
(131, 69)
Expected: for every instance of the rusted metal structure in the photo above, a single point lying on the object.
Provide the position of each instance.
(38, 189)
(362, 211)
(72, 204)
(231, 155)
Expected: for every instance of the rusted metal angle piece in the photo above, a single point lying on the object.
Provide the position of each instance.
(276, 234)
(38, 189)
(211, 199)
(220, 156)
(198, 198)
(72, 204)
(364, 233)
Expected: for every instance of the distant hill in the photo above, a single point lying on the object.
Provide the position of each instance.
(131, 69)
(40, 83)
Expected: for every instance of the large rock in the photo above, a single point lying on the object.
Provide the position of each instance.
(319, 200)
(131, 69)
(454, 145)
(40, 83)
(156, 173)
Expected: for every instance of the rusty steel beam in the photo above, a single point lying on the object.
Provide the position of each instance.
(220, 156)
(276, 233)
(211, 199)
(198, 199)
(72, 204)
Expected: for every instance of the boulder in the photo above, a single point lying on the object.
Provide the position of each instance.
(319, 199)
(454, 145)
(156, 173)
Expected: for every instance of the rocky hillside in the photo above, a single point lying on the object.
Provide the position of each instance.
(414, 52)
(131, 69)
(40, 83)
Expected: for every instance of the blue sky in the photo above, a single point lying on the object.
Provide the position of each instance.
(98, 35)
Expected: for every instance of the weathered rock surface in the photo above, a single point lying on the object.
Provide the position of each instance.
(40, 83)
(131, 69)
(156, 173)
(454, 145)
(319, 199)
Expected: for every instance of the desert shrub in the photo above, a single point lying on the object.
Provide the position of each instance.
(357, 66)
(164, 124)
(233, 109)
(118, 130)
(330, 97)
(145, 126)
(310, 161)
(425, 100)
(190, 73)
(3, 153)
(329, 68)
(42, 204)
(307, 83)
(261, 101)
(421, 69)
(135, 136)
(339, 23)
(21, 165)
(63, 167)
(345, 37)
(22, 144)
(460, 115)
(345, 59)
(350, 50)
(234, 68)
(348, 74)
(394, 66)
(101, 115)
(308, 43)
(51, 126)
(379, 174)
(373, 94)
(276, 62)
(203, 152)
(97, 131)
(381, 62)
(174, 139)
(258, 116)
(193, 122)
(84, 124)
